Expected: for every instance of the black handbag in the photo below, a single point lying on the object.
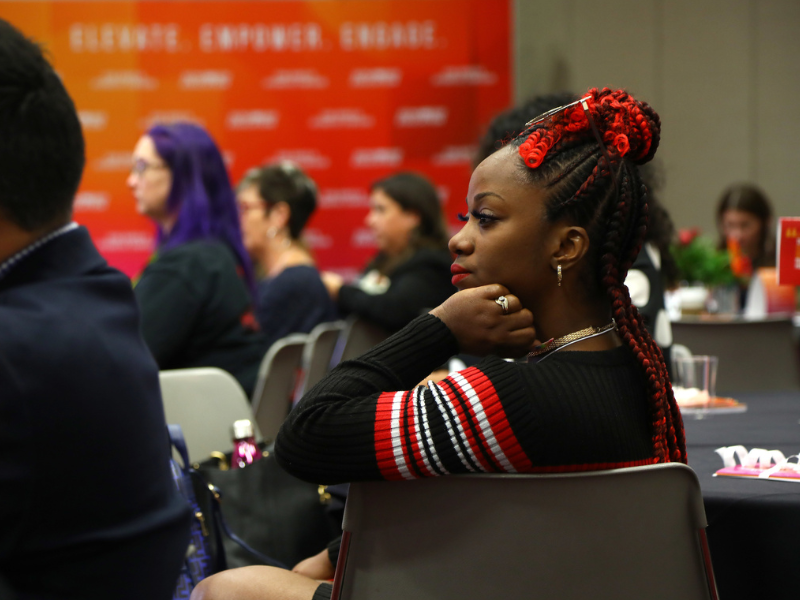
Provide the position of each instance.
(206, 553)
(274, 513)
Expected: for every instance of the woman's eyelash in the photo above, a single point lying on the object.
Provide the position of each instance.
(481, 217)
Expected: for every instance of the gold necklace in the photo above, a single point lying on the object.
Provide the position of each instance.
(554, 344)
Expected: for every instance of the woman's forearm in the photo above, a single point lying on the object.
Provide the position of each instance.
(329, 436)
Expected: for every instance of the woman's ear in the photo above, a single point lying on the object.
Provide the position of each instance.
(572, 245)
(412, 219)
(278, 215)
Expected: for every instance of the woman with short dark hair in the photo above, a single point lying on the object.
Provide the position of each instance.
(275, 202)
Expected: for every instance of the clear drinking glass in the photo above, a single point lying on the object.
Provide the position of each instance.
(694, 381)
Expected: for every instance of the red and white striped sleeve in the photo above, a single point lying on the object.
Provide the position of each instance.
(457, 425)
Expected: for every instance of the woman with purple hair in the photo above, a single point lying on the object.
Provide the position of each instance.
(196, 294)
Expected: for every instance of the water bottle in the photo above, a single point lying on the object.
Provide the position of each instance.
(245, 450)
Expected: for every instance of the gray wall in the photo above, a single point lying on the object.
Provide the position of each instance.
(723, 74)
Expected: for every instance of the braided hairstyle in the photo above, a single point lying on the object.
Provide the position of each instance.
(599, 188)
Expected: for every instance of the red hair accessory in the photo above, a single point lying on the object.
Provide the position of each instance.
(622, 144)
(534, 149)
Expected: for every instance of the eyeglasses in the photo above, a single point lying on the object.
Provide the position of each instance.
(247, 207)
(140, 165)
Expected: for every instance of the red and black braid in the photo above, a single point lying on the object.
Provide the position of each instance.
(563, 155)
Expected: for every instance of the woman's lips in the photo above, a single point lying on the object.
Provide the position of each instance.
(459, 273)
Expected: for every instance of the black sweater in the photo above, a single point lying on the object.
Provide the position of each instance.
(197, 312)
(417, 285)
(572, 411)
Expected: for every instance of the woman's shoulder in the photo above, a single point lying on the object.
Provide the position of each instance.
(300, 283)
(554, 365)
(297, 273)
(620, 356)
(203, 254)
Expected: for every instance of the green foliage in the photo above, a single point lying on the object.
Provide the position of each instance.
(699, 261)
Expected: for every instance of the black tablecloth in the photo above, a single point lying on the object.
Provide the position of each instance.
(753, 525)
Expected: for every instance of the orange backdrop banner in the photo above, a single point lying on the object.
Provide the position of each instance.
(350, 90)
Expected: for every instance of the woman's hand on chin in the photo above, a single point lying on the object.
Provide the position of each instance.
(480, 326)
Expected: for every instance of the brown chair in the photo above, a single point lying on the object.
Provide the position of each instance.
(358, 337)
(624, 534)
(754, 355)
(317, 354)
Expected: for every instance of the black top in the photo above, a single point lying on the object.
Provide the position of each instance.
(417, 285)
(571, 411)
(294, 301)
(197, 312)
(88, 507)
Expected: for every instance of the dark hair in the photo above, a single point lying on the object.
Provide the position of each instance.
(414, 192)
(598, 187)
(751, 199)
(510, 123)
(660, 228)
(41, 143)
(201, 195)
(286, 182)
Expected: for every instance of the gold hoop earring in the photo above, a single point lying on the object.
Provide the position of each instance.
(559, 275)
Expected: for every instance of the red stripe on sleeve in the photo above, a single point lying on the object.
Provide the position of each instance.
(479, 445)
(498, 420)
(384, 448)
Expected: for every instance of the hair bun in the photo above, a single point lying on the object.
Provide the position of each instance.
(629, 128)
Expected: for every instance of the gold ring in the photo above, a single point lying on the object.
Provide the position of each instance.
(502, 302)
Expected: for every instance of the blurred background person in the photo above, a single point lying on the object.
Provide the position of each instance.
(411, 272)
(275, 203)
(654, 270)
(196, 294)
(744, 217)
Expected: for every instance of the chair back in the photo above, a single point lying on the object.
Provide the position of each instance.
(317, 355)
(624, 534)
(357, 337)
(204, 402)
(277, 377)
(754, 355)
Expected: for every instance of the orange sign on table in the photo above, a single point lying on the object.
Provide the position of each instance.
(789, 251)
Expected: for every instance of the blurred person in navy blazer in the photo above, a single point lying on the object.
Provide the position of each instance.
(89, 509)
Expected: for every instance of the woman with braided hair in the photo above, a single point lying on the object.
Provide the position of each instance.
(555, 219)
